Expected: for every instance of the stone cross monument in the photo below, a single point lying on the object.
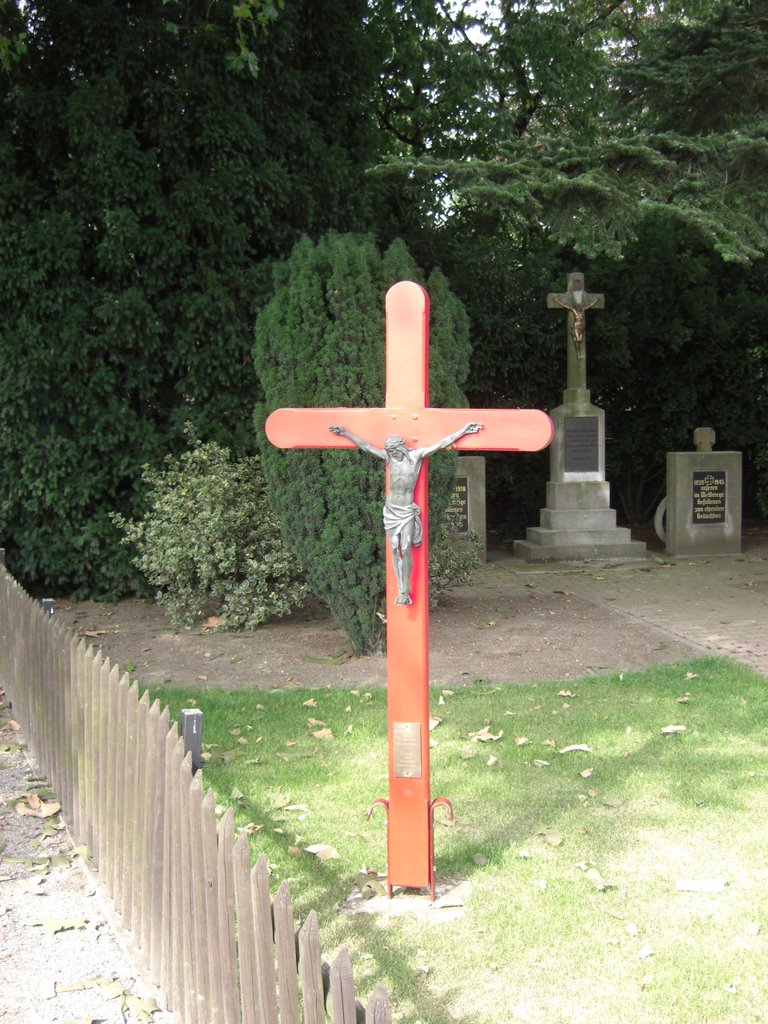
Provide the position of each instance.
(403, 434)
(578, 523)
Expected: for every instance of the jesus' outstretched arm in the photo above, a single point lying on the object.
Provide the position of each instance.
(470, 428)
(364, 445)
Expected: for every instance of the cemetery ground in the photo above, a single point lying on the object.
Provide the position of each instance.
(624, 879)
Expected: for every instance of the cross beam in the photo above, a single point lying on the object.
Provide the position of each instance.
(410, 809)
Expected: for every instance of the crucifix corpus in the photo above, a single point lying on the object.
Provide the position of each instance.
(403, 435)
(576, 301)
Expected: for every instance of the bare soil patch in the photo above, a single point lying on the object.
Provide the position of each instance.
(502, 629)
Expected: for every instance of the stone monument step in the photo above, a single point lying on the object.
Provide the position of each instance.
(577, 519)
(540, 535)
(585, 552)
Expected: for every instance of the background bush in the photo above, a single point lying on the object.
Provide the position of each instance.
(210, 543)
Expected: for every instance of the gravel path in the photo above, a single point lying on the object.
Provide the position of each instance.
(61, 958)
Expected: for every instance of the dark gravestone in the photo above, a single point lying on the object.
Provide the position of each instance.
(582, 444)
(709, 497)
(458, 507)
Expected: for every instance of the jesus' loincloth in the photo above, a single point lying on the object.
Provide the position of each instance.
(397, 517)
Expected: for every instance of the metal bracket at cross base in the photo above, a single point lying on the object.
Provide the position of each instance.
(439, 801)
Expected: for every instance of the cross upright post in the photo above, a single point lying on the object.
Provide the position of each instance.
(410, 808)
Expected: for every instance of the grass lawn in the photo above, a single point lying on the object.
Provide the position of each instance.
(623, 883)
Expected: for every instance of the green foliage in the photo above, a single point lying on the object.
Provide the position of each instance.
(320, 342)
(210, 543)
(577, 133)
(680, 345)
(146, 187)
(453, 560)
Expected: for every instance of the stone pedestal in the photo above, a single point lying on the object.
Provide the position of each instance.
(578, 523)
(703, 512)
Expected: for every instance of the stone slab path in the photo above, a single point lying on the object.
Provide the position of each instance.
(715, 605)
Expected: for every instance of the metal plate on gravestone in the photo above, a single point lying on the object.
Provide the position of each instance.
(708, 502)
(582, 446)
(406, 750)
(458, 508)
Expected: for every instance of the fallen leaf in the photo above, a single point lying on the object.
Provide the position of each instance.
(669, 730)
(323, 734)
(213, 622)
(93, 632)
(315, 722)
(566, 693)
(141, 1010)
(53, 926)
(691, 675)
(576, 746)
(434, 722)
(322, 852)
(549, 743)
(538, 763)
(646, 950)
(446, 693)
(348, 730)
(42, 810)
(492, 761)
(311, 703)
(521, 741)
(13, 726)
(586, 774)
(485, 735)
(597, 879)
(32, 886)
(551, 835)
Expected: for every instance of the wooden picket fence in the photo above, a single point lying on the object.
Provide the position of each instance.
(201, 918)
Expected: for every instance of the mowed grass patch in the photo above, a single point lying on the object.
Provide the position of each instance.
(624, 882)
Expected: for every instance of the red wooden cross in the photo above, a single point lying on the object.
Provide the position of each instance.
(410, 859)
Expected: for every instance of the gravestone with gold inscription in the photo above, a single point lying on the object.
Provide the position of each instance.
(703, 502)
(578, 523)
(466, 512)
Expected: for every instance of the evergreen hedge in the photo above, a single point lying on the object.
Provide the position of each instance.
(320, 342)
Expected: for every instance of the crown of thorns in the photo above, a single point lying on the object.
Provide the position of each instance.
(392, 442)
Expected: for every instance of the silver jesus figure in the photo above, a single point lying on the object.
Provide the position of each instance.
(402, 516)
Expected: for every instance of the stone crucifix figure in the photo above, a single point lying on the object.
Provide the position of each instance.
(576, 301)
(402, 516)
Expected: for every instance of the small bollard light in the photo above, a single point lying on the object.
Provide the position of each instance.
(192, 734)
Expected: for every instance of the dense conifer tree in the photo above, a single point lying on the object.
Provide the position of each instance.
(320, 342)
